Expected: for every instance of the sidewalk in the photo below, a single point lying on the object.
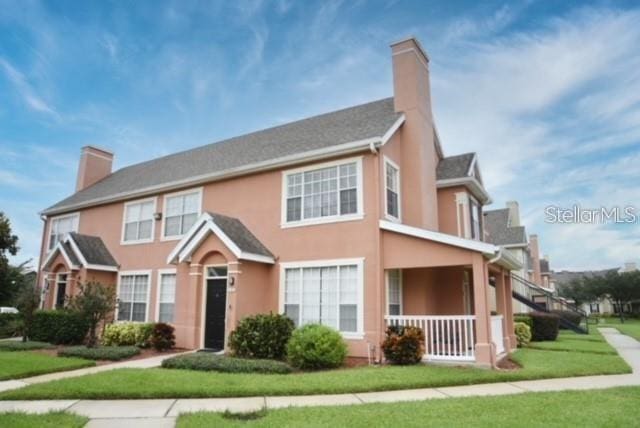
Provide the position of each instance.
(162, 413)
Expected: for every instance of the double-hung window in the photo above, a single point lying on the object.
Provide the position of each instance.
(133, 293)
(166, 297)
(475, 215)
(394, 292)
(325, 294)
(392, 189)
(60, 226)
(180, 212)
(323, 192)
(138, 221)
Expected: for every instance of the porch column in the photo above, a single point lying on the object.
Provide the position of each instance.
(485, 350)
(501, 304)
(193, 300)
(509, 301)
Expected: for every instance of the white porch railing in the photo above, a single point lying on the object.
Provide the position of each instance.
(447, 337)
(496, 333)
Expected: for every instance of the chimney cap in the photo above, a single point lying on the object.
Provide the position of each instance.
(415, 41)
(99, 149)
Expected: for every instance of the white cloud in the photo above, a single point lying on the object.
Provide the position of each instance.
(25, 90)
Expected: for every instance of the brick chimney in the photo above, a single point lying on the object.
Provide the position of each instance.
(514, 213)
(95, 164)
(534, 248)
(412, 97)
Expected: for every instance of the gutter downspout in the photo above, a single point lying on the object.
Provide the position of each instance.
(497, 257)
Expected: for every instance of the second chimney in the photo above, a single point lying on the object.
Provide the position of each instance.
(95, 164)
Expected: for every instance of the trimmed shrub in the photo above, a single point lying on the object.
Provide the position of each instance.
(206, 361)
(523, 333)
(262, 336)
(14, 345)
(112, 353)
(60, 327)
(403, 345)
(569, 316)
(524, 318)
(127, 334)
(545, 326)
(162, 337)
(11, 325)
(316, 346)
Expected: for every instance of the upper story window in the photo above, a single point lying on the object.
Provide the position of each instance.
(392, 189)
(60, 226)
(181, 210)
(323, 193)
(138, 221)
(475, 214)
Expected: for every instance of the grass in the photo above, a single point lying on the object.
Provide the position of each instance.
(20, 364)
(18, 345)
(112, 353)
(616, 407)
(570, 341)
(46, 420)
(630, 327)
(169, 383)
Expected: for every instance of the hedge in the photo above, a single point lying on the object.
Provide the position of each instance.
(315, 346)
(16, 345)
(127, 334)
(11, 325)
(60, 327)
(569, 316)
(112, 353)
(523, 318)
(545, 326)
(262, 336)
(205, 361)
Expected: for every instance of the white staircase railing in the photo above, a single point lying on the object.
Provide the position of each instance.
(447, 337)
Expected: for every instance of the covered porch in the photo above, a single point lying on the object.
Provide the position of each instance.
(458, 293)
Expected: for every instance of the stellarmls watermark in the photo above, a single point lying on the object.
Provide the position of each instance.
(602, 215)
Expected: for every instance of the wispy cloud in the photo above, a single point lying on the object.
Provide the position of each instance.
(22, 86)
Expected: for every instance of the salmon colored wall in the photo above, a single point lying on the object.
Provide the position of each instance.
(433, 291)
(448, 215)
(407, 252)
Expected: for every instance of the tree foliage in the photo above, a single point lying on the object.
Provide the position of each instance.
(28, 302)
(95, 302)
(8, 246)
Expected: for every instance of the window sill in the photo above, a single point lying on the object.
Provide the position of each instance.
(352, 336)
(393, 219)
(142, 241)
(171, 238)
(322, 220)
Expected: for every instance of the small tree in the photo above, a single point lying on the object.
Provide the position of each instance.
(8, 246)
(95, 302)
(28, 302)
(580, 290)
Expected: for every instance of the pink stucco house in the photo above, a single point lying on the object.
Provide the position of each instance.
(354, 219)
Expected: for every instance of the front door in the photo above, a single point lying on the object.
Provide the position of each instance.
(61, 293)
(214, 324)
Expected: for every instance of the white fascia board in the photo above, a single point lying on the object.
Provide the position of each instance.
(471, 183)
(396, 125)
(76, 250)
(204, 217)
(443, 238)
(58, 249)
(102, 268)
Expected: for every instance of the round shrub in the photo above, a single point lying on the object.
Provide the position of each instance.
(315, 346)
(524, 318)
(523, 333)
(262, 336)
(403, 345)
(544, 326)
(112, 353)
(60, 327)
(127, 334)
(206, 361)
(162, 337)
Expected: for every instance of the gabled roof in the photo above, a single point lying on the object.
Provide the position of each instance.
(496, 224)
(231, 231)
(82, 251)
(457, 166)
(462, 170)
(341, 131)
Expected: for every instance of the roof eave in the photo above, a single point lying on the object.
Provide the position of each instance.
(470, 183)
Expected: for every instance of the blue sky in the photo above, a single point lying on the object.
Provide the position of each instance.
(547, 93)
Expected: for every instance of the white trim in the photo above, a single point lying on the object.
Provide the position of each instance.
(396, 125)
(158, 285)
(471, 183)
(83, 261)
(442, 238)
(102, 268)
(153, 221)
(359, 262)
(358, 215)
(54, 303)
(50, 256)
(148, 273)
(203, 307)
(386, 277)
(198, 190)
(88, 153)
(57, 218)
(462, 199)
(389, 162)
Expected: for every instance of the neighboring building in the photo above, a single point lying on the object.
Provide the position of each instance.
(354, 219)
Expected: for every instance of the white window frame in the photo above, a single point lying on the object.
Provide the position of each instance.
(148, 273)
(66, 290)
(158, 292)
(153, 221)
(389, 163)
(57, 218)
(359, 262)
(400, 279)
(164, 210)
(470, 208)
(358, 215)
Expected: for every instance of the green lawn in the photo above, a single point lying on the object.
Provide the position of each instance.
(616, 407)
(630, 327)
(570, 341)
(166, 383)
(52, 420)
(20, 364)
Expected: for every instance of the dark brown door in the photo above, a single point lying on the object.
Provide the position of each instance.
(215, 314)
(60, 295)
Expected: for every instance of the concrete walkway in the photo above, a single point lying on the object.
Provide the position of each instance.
(162, 413)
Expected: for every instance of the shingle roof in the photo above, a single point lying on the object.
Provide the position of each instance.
(454, 166)
(93, 250)
(71, 254)
(496, 224)
(362, 122)
(240, 235)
